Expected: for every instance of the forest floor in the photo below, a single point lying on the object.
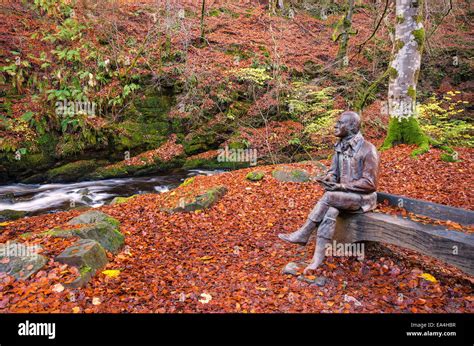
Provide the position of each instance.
(228, 258)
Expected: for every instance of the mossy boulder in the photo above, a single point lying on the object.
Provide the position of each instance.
(108, 172)
(9, 215)
(288, 174)
(120, 200)
(72, 171)
(203, 201)
(155, 166)
(87, 255)
(98, 226)
(255, 175)
(92, 216)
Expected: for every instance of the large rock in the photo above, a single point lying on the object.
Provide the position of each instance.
(104, 233)
(71, 171)
(93, 216)
(206, 200)
(19, 260)
(87, 255)
(288, 174)
(98, 226)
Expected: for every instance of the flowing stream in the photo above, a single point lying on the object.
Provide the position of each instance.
(48, 198)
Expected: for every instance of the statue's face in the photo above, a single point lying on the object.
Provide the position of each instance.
(342, 128)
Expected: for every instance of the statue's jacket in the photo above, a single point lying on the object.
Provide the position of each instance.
(355, 165)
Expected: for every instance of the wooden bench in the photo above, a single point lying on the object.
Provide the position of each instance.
(453, 247)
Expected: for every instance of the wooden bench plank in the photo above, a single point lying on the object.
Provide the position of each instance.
(452, 247)
(432, 210)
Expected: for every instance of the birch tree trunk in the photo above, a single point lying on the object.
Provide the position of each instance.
(403, 73)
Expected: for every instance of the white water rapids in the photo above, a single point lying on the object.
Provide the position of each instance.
(41, 198)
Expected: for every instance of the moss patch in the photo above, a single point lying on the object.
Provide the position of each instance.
(255, 175)
(419, 37)
(406, 131)
(392, 72)
(71, 171)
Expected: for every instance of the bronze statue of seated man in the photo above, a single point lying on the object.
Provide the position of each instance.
(350, 186)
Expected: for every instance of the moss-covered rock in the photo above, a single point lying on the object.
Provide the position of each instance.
(100, 227)
(72, 171)
(90, 217)
(88, 256)
(8, 214)
(288, 174)
(117, 171)
(255, 175)
(203, 201)
(105, 233)
(120, 200)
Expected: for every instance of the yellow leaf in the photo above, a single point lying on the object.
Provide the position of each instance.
(76, 309)
(113, 273)
(262, 288)
(428, 277)
(206, 258)
(96, 301)
(4, 224)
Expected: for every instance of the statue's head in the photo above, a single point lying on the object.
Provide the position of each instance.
(348, 124)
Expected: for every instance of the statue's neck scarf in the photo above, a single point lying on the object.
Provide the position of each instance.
(349, 141)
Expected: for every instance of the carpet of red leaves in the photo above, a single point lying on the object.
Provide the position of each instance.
(231, 252)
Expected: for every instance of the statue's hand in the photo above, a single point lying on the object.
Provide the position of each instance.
(330, 186)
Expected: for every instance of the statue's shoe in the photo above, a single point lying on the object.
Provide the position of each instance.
(288, 238)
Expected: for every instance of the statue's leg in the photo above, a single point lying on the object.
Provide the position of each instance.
(301, 236)
(325, 234)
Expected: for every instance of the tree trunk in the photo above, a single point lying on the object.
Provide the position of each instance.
(403, 73)
(346, 28)
(203, 10)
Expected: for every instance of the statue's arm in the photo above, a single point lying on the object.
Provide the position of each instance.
(331, 175)
(368, 181)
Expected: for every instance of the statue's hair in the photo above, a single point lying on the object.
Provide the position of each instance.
(354, 120)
